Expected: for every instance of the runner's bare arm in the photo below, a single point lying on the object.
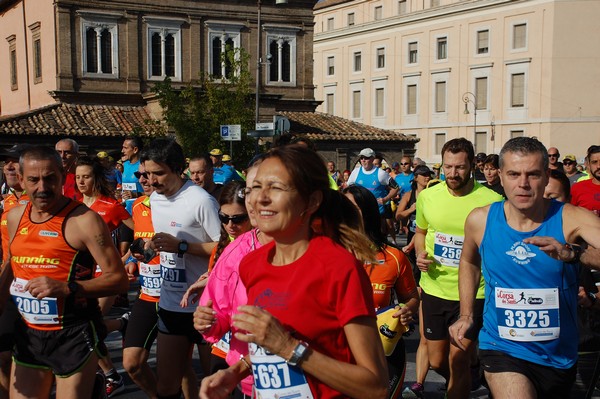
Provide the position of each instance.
(88, 231)
(469, 274)
(6, 277)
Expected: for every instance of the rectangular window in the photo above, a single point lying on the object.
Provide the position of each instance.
(281, 44)
(411, 99)
(164, 49)
(481, 92)
(99, 54)
(516, 133)
(330, 66)
(378, 14)
(351, 19)
(483, 39)
(379, 101)
(519, 36)
(401, 7)
(380, 58)
(440, 140)
(356, 99)
(37, 60)
(329, 23)
(357, 62)
(13, 69)
(440, 96)
(413, 53)
(517, 95)
(442, 48)
(480, 142)
(329, 103)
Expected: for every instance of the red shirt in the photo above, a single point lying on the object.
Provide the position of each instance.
(112, 212)
(587, 195)
(313, 297)
(70, 188)
(143, 228)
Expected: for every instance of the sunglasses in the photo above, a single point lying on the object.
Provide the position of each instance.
(235, 219)
(361, 158)
(553, 155)
(568, 162)
(404, 163)
(140, 174)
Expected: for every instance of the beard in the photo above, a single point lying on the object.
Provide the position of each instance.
(457, 183)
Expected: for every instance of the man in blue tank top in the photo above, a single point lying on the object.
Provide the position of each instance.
(528, 343)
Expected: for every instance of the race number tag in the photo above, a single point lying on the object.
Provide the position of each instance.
(172, 271)
(447, 249)
(274, 378)
(150, 279)
(224, 342)
(33, 310)
(527, 315)
(129, 187)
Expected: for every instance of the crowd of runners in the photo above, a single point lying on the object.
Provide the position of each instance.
(287, 277)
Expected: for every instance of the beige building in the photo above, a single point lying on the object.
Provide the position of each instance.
(518, 67)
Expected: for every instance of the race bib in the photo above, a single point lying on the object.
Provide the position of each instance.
(224, 342)
(274, 378)
(447, 249)
(129, 187)
(412, 224)
(150, 279)
(172, 272)
(527, 315)
(33, 310)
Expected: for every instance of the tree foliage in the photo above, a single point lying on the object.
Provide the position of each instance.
(197, 111)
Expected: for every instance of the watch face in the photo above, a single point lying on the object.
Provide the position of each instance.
(183, 246)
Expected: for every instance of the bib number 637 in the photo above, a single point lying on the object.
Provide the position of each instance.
(529, 318)
(273, 375)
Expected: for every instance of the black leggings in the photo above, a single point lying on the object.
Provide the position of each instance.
(396, 370)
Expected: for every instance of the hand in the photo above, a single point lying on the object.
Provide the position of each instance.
(43, 287)
(204, 317)
(552, 248)
(458, 329)
(380, 201)
(263, 329)
(422, 262)
(407, 248)
(405, 315)
(218, 385)
(164, 242)
(195, 289)
(126, 194)
(130, 269)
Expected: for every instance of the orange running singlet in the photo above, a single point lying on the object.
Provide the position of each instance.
(40, 249)
(150, 280)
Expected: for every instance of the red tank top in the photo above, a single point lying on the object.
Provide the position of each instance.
(40, 249)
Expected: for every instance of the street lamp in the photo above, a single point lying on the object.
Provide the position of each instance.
(259, 60)
(467, 99)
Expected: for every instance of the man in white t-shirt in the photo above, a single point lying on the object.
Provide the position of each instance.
(186, 221)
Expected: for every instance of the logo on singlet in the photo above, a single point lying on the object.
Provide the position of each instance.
(46, 233)
(24, 231)
(520, 253)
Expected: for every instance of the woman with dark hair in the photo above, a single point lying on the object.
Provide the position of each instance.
(302, 276)
(491, 166)
(392, 279)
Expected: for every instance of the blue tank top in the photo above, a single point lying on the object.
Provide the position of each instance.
(371, 182)
(530, 298)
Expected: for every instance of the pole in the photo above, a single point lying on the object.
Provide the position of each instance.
(258, 66)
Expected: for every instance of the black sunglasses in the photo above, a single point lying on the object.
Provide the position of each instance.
(140, 174)
(235, 219)
(363, 157)
(553, 155)
(404, 163)
(568, 162)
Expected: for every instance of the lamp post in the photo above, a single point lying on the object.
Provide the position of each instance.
(259, 61)
(467, 99)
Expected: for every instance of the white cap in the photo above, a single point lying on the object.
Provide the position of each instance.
(366, 152)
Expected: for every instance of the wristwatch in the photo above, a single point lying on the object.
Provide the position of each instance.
(73, 288)
(298, 355)
(182, 248)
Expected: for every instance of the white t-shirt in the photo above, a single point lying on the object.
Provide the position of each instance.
(191, 214)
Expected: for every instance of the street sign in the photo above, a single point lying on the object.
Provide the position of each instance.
(231, 132)
(265, 126)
